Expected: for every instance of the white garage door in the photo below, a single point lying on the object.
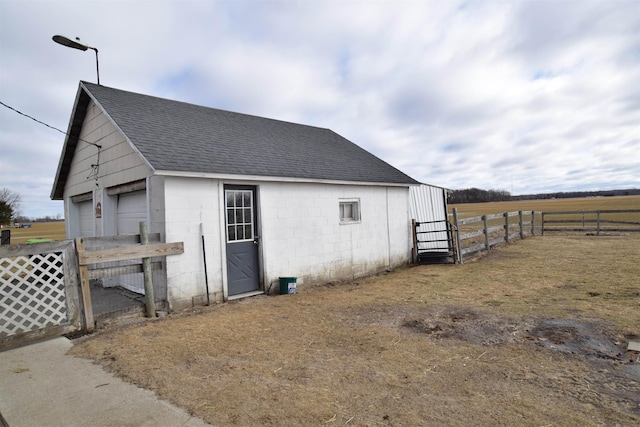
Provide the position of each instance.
(132, 208)
(85, 215)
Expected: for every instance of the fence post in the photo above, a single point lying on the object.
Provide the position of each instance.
(486, 232)
(455, 222)
(598, 228)
(414, 232)
(506, 227)
(533, 223)
(87, 308)
(542, 224)
(149, 299)
(521, 225)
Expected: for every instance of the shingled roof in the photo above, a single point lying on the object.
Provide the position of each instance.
(175, 136)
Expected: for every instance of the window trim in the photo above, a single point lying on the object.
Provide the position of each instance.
(357, 217)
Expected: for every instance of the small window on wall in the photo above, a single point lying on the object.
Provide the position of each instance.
(349, 211)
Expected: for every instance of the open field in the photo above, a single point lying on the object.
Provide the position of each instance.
(38, 230)
(533, 334)
(579, 222)
(467, 210)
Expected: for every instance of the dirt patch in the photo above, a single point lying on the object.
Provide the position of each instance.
(594, 340)
(466, 324)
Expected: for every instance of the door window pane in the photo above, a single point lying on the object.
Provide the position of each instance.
(239, 205)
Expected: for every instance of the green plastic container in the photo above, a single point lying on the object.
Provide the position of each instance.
(288, 285)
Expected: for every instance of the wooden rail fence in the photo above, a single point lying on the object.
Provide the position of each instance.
(144, 251)
(598, 221)
(482, 233)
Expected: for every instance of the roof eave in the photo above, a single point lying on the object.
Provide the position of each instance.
(70, 142)
(263, 178)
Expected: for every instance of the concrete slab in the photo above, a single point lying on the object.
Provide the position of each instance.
(42, 386)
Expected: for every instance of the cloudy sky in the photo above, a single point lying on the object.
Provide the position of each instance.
(525, 96)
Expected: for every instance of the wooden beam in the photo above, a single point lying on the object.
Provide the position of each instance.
(101, 272)
(456, 224)
(129, 252)
(149, 298)
(87, 309)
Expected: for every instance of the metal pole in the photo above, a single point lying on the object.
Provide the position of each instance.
(97, 66)
(204, 258)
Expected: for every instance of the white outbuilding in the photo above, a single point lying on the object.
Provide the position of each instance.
(268, 198)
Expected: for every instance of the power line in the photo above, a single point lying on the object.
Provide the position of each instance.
(45, 124)
(95, 168)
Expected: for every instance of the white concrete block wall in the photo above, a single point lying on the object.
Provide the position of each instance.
(302, 235)
(188, 203)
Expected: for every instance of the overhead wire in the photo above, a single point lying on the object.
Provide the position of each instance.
(95, 168)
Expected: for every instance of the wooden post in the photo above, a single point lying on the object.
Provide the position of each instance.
(521, 225)
(506, 227)
(414, 252)
(149, 299)
(455, 223)
(542, 223)
(533, 223)
(598, 227)
(87, 309)
(486, 232)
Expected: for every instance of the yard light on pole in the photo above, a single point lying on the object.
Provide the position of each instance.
(77, 44)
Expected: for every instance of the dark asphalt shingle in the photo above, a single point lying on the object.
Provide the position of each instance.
(182, 137)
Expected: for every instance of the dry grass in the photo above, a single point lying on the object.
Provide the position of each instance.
(38, 230)
(467, 210)
(473, 344)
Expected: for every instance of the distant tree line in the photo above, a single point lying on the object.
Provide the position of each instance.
(572, 194)
(22, 219)
(476, 195)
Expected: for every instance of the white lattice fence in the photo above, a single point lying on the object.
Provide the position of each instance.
(38, 292)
